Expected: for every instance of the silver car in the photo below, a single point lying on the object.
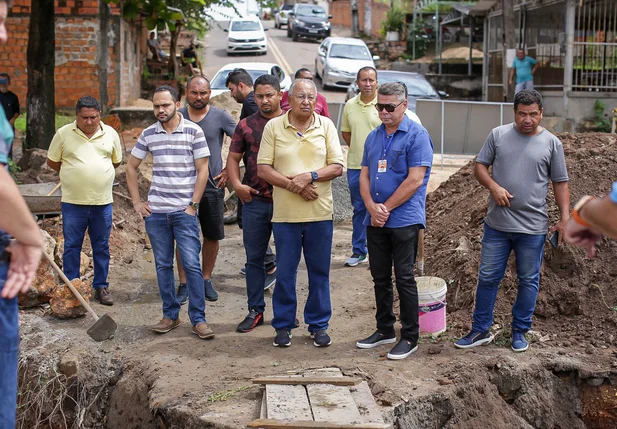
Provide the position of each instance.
(281, 17)
(339, 59)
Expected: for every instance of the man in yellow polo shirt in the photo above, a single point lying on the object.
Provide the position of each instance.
(299, 155)
(86, 154)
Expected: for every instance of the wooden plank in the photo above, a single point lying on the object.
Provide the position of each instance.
(323, 372)
(336, 381)
(298, 424)
(363, 397)
(287, 403)
(332, 404)
(263, 413)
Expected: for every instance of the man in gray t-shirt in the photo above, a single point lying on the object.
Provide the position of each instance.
(216, 123)
(524, 158)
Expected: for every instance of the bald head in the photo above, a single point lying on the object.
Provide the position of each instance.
(198, 92)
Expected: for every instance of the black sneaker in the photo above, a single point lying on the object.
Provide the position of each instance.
(182, 294)
(321, 338)
(375, 340)
(270, 280)
(211, 293)
(474, 339)
(403, 349)
(251, 320)
(282, 339)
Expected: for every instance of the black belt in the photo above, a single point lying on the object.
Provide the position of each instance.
(5, 256)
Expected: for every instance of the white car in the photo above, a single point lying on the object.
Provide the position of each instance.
(246, 35)
(281, 17)
(217, 84)
(339, 59)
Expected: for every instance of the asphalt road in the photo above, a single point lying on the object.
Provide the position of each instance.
(281, 50)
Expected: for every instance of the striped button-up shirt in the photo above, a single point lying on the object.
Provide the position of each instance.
(173, 163)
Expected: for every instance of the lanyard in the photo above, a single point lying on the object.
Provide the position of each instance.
(386, 147)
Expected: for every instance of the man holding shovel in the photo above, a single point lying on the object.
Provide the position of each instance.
(86, 154)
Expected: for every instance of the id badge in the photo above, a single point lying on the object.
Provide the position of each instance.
(382, 165)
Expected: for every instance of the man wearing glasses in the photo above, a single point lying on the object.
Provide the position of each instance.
(396, 166)
(300, 154)
(321, 106)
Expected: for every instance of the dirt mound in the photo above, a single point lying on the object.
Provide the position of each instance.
(577, 295)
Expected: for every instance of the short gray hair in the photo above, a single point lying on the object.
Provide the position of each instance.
(394, 88)
(293, 85)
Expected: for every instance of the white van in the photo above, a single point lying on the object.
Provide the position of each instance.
(246, 35)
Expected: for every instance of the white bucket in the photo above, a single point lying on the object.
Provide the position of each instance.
(432, 304)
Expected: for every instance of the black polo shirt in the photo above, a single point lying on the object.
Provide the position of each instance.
(10, 103)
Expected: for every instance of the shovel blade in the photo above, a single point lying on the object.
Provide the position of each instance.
(103, 329)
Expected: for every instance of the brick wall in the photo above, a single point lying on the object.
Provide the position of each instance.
(78, 49)
(341, 14)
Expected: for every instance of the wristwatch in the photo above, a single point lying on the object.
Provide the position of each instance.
(314, 176)
(194, 205)
(576, 212)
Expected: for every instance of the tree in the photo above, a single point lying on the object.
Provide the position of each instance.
(41, 62)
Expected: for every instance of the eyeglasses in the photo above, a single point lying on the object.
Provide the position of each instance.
(301, 97)
(389, 107)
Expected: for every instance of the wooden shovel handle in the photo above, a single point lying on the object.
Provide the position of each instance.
(55, 189)
(83, 302)
(421, 252)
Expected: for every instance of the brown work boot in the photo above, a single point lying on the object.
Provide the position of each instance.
(165, 325)
(203, 331)
(103, 295)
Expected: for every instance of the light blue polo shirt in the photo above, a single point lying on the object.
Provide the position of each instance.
(523, 69)
(614, 193)
(409, 146)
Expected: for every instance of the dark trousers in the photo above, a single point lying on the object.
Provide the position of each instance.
(270, 259)
(398, 245)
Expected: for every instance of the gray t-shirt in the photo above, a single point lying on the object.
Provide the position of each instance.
(215, 125)
(523, 166)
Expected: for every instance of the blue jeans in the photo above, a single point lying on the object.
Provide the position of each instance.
(97, 220)
(256, 232)
(9, 350)
(163, 229)
(358, 237)
(315, 239)
(496, 248)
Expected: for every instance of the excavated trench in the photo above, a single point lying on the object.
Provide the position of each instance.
(67, 389)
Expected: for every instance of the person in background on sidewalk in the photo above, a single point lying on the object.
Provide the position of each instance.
(86, 154)
(179, 176)
(524, 157)
(10, 103)
(188, 58)
(298, 150)
(256, 196)
(240, 84)
(592, 218)
(215, 124)
(19, 260)
(396, 167)
(522, 68)
(359, 118)
(155, 48)
(321, 106)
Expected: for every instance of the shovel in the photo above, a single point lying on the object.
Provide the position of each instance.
(104, 327)
(421, 253)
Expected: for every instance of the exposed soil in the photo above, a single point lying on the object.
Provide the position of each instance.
(142, 380)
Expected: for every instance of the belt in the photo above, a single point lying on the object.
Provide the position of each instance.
(5, 256)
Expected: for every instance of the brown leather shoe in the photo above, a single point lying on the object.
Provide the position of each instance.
(203, 331)
(103, 295)
(165, 325)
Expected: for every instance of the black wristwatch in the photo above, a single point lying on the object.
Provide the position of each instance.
(194, 205)
(314, 176)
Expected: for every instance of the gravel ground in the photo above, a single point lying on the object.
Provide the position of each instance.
(342, 202)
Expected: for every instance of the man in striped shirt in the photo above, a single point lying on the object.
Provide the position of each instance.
(179, 176)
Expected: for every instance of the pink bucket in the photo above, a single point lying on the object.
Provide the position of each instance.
(432, 304)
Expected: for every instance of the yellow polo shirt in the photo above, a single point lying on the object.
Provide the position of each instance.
(291, 153)
(359, 119)
(87, 172)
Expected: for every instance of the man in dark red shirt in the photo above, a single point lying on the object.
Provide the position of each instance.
(321, 106)
(255, 194)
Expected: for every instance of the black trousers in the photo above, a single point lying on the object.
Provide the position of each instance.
(398, 246)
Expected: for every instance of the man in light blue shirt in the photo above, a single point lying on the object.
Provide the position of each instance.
(524, 67)
(396, 166)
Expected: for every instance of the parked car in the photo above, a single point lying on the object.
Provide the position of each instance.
(281, 17)
(307, 20)
(246, 35)
(217, 84)
(339, 59)
(417, 86)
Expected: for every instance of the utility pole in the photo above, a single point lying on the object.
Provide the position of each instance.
(509, 40)
(355, 24)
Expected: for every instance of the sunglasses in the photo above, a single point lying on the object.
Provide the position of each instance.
(389, 107)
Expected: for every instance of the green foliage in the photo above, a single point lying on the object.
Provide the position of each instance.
(603, 123)
(61, 120)
(14, 169)
(422, 41)
(395, 20)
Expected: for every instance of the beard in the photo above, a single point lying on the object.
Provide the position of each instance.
(168, 118)
(198, 105)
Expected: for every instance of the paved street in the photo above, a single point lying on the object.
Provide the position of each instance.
(281, 50)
